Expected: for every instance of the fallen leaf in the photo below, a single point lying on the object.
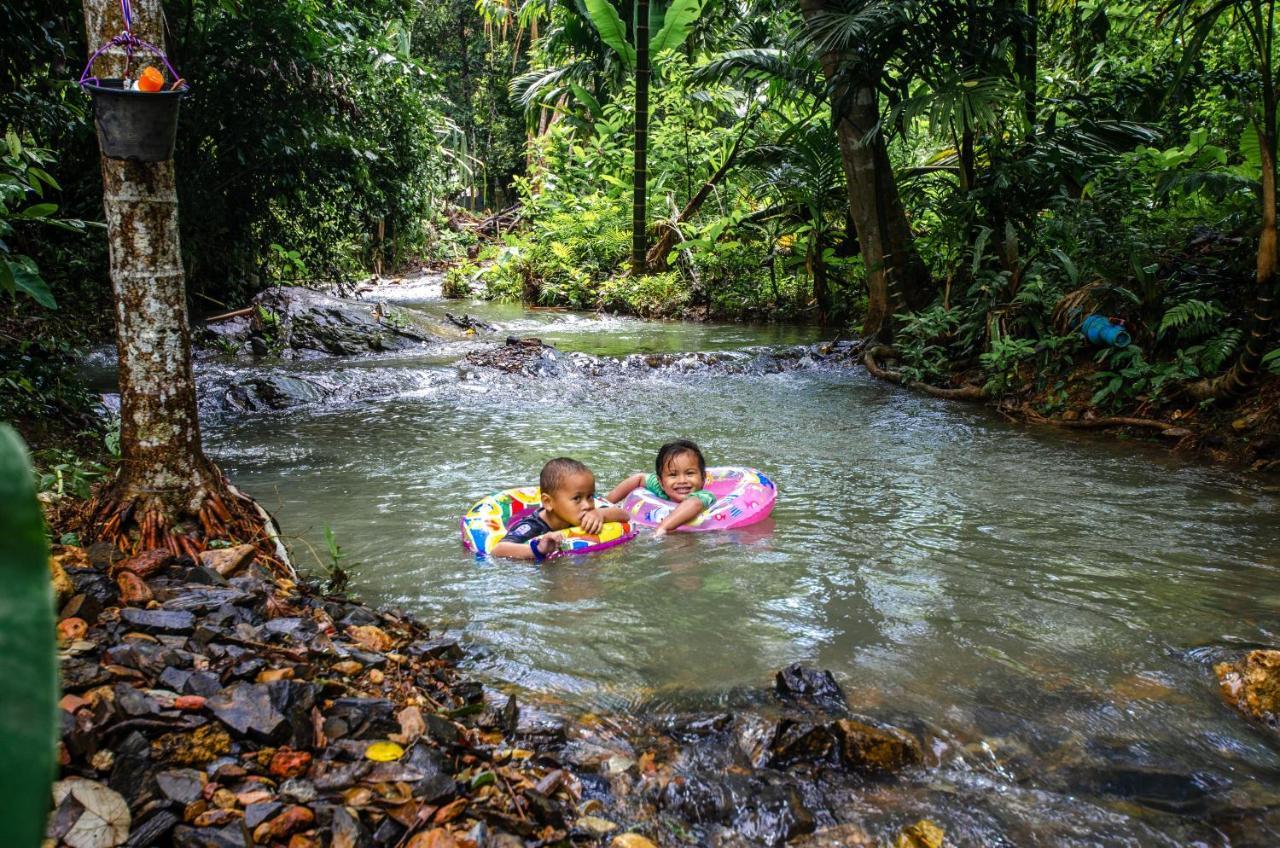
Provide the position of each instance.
(450, 811)
(105, 820)
(384, 752)
(437, 838)
(371, 638)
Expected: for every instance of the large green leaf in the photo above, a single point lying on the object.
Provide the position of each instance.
(681, 16)
(605, 18)
(28, 713)
(21, 274)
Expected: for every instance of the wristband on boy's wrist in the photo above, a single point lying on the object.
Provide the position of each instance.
(538, 556)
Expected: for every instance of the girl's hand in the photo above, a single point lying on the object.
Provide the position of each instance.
(549, 543)
(592, 521)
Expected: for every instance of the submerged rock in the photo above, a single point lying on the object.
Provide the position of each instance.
(1252, 684)
(275, 391)
(798, 682)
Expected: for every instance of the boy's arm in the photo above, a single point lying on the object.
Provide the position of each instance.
(682, 514)
(614, 513)
(547, 544)
(626, 487)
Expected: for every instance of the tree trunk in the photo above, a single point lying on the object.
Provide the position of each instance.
(657, 256)
(164, 479)
(639, 184)
(896, 276)
(1242, 373)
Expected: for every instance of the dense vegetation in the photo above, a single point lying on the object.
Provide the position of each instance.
(964, 180)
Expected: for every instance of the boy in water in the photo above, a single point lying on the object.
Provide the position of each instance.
(680, 476)
(568, 500)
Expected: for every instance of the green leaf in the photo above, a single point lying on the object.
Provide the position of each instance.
(681, 16)
(585, 97)
(605, 18)
(28, 663)
(1073, 273)
(1251, 150)
(26, 278)
(39, 210)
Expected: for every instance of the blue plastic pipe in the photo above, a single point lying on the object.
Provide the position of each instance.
(1099, 330)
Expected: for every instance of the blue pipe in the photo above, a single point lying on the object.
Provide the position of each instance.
(1099, 330)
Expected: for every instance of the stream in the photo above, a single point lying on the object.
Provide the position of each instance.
(1044, 606)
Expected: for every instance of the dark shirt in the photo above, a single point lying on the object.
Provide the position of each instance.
(527, 527)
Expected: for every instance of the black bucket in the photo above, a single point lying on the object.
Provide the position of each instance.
(138, 126)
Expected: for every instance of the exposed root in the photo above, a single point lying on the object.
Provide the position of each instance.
(1099, 423)
(138, 524)
(966, 392)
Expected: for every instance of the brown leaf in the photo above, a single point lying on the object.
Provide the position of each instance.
(437, 838)
(450, 811)
(105, 821)
(371, 638)
(412, 725)
(293, 818)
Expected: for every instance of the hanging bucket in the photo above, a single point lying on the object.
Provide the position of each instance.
(137, 126)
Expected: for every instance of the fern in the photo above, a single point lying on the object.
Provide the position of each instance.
(1219, 349)
(1195, 315)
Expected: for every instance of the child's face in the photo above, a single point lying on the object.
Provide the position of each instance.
(574, 497)
(682, 477)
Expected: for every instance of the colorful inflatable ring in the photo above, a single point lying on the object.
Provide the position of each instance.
(484, 525)
(743, 496)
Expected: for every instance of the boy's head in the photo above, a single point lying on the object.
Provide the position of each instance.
(681, 469)
(568, 491)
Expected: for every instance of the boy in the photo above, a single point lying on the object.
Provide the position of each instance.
(568, 500)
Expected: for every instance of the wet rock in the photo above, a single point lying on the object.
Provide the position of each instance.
(1252, 684)
(437, 649)
(1168, 791)
(82, 606)
(247, 708)
(133, 589)
(153, 831)
(231, 836)
(361, 718)
(256, 814)
(305, 320)
(809, 685)
(147, 563)
(275, 391)
(774, 815)
(103, 555)
(292, 629)
(98, 585)
(180, 785)
(204, 599)
(922, 834)
(347, 830)
(197, 747)
(158, 621)
(802, 743)
(79, 674)
(227, 562)
(875, 749)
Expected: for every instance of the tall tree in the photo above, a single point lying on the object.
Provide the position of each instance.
(854, 40)
(640, 175)
(166, 492)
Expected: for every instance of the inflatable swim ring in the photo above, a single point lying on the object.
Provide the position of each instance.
(484, 525)
(743, 496)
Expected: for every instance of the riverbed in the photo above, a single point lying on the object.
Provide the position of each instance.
(1044, 607)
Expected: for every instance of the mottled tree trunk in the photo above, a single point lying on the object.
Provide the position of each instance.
(640, 176)
(896, 276)
(166, 492)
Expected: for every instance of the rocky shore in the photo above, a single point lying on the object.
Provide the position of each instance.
(216, 704)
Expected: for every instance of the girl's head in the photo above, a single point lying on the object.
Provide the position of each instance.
(681, 469)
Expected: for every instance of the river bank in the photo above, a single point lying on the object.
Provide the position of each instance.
(219, 702)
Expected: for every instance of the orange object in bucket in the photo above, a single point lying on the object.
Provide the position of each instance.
(150, 80)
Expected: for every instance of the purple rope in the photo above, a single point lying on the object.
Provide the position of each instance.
(126, 12)
(129, 42)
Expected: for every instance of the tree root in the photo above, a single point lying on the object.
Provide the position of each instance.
(972, 392)
(137, 524)
(966, 392)
(1099, 423)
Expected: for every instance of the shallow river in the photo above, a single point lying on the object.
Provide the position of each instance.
(1045, 605)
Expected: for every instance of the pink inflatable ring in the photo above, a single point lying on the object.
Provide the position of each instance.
(743, 496)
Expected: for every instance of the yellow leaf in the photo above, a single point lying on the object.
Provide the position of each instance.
(384, 752)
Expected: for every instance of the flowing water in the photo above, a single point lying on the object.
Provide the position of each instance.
(1045, 606)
